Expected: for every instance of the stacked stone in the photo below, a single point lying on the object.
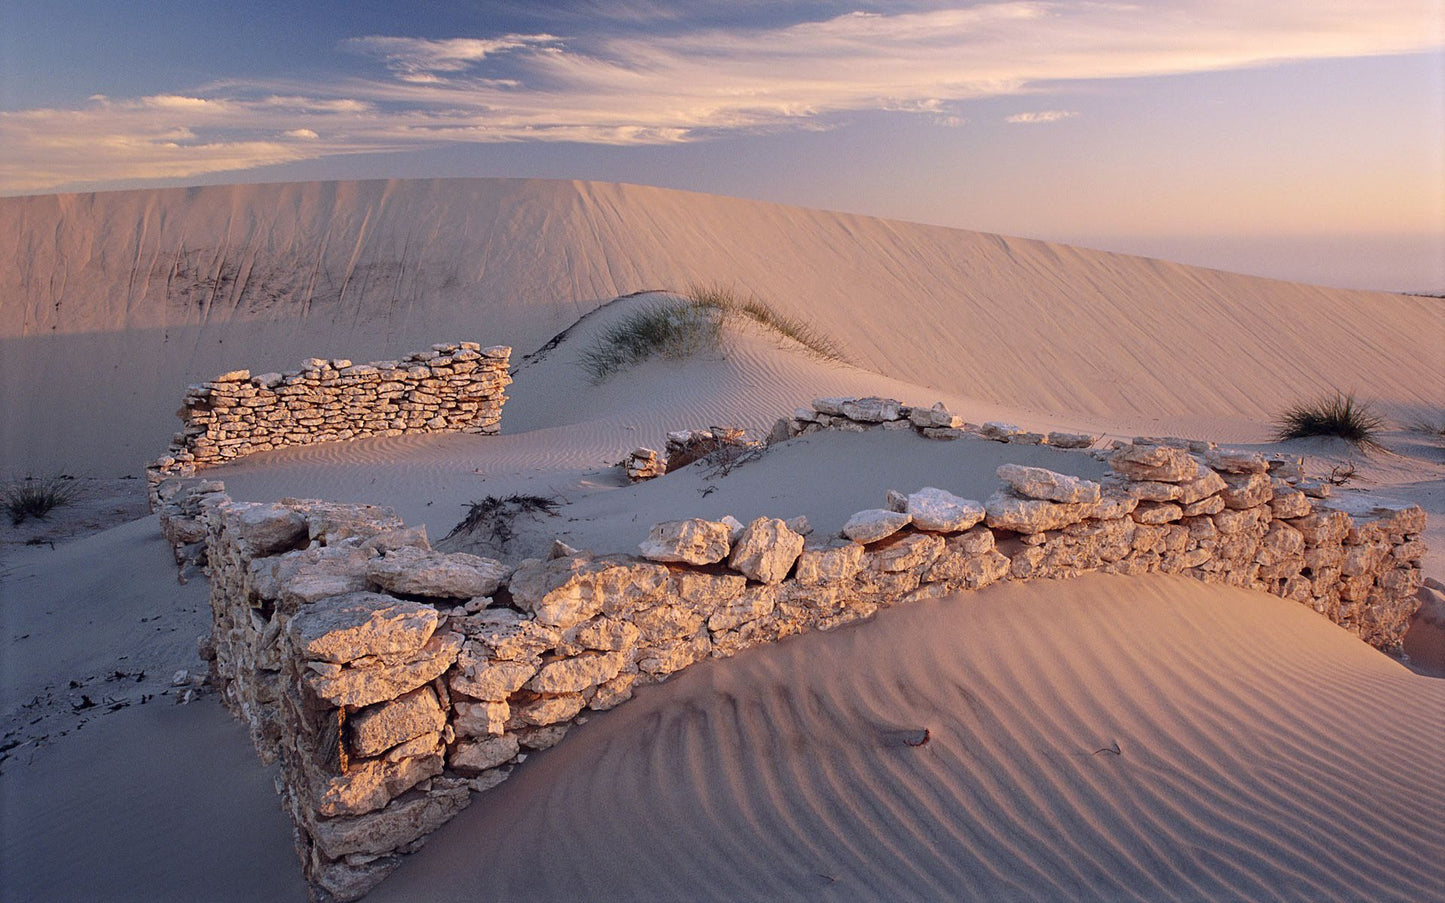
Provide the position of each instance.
(683, 448)
(328, 641)
(451, 388)
(858, 415)
(391, 680)
(644, 464)
(181, 504)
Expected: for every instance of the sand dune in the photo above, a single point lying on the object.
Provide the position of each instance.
(1102, 738)
(1243, 726)
(115, 300)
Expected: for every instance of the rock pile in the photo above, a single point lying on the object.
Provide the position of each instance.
(861, 414)
(451, 388)
(686, 446)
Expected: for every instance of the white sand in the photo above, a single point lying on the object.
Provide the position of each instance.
(1263, 751)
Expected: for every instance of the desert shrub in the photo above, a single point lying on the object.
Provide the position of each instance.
(492, 519)
(33, 497)
(1340, 416)
(729, 302)
(673, 330)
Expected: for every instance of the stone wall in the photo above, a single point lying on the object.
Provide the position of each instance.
(451, 388)
(392, 681)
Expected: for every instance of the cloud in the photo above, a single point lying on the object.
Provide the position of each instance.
(686, 84)
(1041, 116)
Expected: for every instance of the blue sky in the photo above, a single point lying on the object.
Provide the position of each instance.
(1298, 139)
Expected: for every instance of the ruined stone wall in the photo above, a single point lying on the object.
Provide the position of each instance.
(391, 681)
(451, 388)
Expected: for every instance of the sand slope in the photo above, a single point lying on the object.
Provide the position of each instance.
(1262, 754)
(114, 301)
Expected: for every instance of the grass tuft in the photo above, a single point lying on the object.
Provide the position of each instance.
(1341, 417)
(671, 330)
(728, 302)
(36, 498)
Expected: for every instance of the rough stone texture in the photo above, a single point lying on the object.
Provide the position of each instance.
(376, 729)
(691, 541)
(766, 551)
(461, 389)
(441, 575)
(1039, 483)
(874, 524)
(355, 625)
(379, 742)
(1157, 463)
(940, 511)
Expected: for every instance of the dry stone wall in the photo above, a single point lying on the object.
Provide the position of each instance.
(451, 388)
(392, 681)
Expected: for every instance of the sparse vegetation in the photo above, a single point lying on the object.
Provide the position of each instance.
(675, 330)
(34, 497)
(728, 302)
(1341, 417)
(492, 519)
(682, 328)
(1428, 426)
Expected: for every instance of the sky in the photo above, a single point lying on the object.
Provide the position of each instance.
(1302, 139)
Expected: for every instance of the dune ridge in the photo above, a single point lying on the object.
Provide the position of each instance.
(114, 301)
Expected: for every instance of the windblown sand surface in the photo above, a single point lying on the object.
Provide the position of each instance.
(1261, 751)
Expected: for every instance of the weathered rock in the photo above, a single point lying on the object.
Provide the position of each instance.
(352, 626)
(1246, 490)
(1039, 483)
(480, 719)
(473, 757)
(874, 524)
(419, 572)
(578, 673)
(766, 551)
(940, 511)
(691, 541)
(550, 709)
(835, 565)
(376, 678)
(1231, 460)
(567, 591)
(406, 818)
(906, 552)
(1071, 440)
(1158, 463)
(1157, 513)
(998, 431)
(752, 604)
(1289, 503)
(266, 529)
(377, 728)
(1006, 511)
(370, 784)
(1192, 491)
(483, 679)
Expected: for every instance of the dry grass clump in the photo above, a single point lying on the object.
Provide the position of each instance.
(729, 302)
(675, 330)
(1339, 417)
(36, 498)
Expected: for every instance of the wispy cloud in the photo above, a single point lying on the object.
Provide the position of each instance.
(686, 85)
(1041, 116)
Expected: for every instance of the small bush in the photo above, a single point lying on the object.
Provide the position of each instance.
(492, 518)
(726, 301)
(1341, 417)
(36, 498)
(671, 330)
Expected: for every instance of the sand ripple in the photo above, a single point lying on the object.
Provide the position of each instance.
(1105, 738)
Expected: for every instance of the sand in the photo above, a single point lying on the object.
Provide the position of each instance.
(1261, 751)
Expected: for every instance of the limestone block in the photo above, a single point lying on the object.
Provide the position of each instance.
(488, 680)
(833, 406)
(420, 572)
(1324, 527)
(547, 710)
(377, 678)
(344, 628)
(871, 409)
(750, 605)
(835, 565)
(1246, 490)
(1151, 491)
(377, 728)
(472, 757)
(480, 719)
(1197, 490)
(766, 551)
(1281, 543)
(1229, 460)
(265, 529)
(665, 623)
(1040, 483)
(1006, 511)
(907, 552)
(940, 511)
(874, 524)
(999, 431)
(1212, 505)
(413, 815)
(1157, 463)
(1157, 513)
(663, 660)
(613, 693)
(567, 591)
(1289, 503)
(692, 542)
(1071, 440)
(612, 635)
(370, 784)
